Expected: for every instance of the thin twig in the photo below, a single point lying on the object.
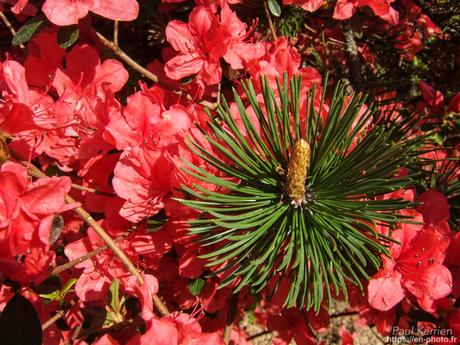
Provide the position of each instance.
(107, 239)
(254, 336)
(143, 71)
(35, 172)
(353, 56)
(10, 27)
(76, 332)
(309, 325)
(123, 56)
(219, 89)
(53, 319)
(344, 313)
(270, 22)
(115, 32)
(70, 264)
(230, 317)
(90, 190)
(161, 307)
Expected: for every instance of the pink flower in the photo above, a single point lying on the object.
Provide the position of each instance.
(175, 329)
(204, 40)
(150, 118)
(200, 43)
(344, 9)
(143, 179)
(307, 5)
(279, 58)
(415, 267)
(434, 207)
(69, 12)
(27, 210)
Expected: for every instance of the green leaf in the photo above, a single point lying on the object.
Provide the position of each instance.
(66, 288)
(114, 291)
(29, 29)
(67, 36)
(274, 8)
(195, 286)
(52, 296)
(19, 323)
(59, 295)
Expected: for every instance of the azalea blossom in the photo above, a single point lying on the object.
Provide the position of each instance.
(83, 110)
(204, 40)
(344, 9)
(27, 210)
(307, 5)
(416, 268)
(69, 12)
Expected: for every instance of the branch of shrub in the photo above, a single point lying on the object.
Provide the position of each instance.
(269, 19)
(10, 27)
(35, 172)
(140, 69)
(70, 264)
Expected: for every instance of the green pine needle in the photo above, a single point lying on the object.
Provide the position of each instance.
(254, 229)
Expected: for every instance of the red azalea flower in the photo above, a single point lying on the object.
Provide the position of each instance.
(26, 213)
(204, 40)
(290, 324)
(344, 9)
(434, 207)
(200, 43)
(307, 5)
(175, 329)
(143, 179)
(452, 261)
(415, 267)
(68, 12)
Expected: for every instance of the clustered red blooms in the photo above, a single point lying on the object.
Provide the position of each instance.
(71, 111)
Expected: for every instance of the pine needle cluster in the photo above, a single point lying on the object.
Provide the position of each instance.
(321, 240)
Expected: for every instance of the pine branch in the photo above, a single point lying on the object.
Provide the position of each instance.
(316, 226)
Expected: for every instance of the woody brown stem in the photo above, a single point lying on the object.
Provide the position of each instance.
(53, 319)
(124, 57)
(138, 68)
(115, 32)
(161, 307)
(353, 57)
(10, 27)
(230, 317)
(70, 264)
(269, 19)
(257, 335)
(107, 239)
(343, 314)
(90, 190)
